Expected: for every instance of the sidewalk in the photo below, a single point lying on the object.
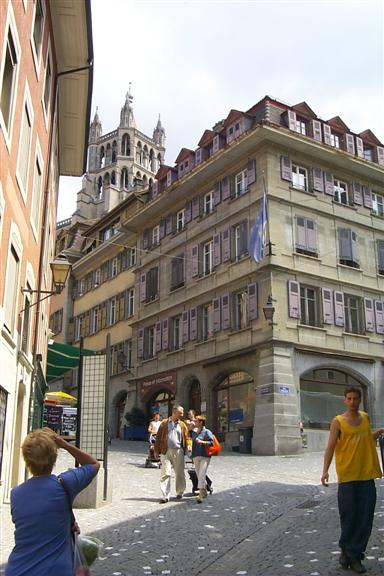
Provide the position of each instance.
(268, 516)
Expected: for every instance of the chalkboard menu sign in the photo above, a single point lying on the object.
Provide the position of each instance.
(53, 417)
(69, 422)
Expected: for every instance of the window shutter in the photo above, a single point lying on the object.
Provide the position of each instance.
(194, 260)
(355, 247)
(345, 245)
(165, 334)
(359, 147)
(369, 315)
(146, 241)
(316, 130)
(158, 336)
(327, 134)
(251, 171)
(252, 301)
(225, 316)
(292, 120)
(193, 323)
(379, 316)
(198, 156)
(286, 168)
(225, 246)
(104, 315)
(188, 212)
(367, 196)
(216, 315)
(339, 308)
(216, 250)
(380, 155)
(225, 188)
(217, 193)
(310, 235)
(243, 237)
(143, 287)
(318, 180)
(215, 144)
(140, 343)
(155, 189)
(185, 321)
(380, 255)
(301, 242)
(162, 228)
(357, 195)
(168, 225)
(293, 299)
(350, 143)
(329, 184)
(195, 207)
(328, 314)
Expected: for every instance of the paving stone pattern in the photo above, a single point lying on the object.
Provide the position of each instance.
(268, 516)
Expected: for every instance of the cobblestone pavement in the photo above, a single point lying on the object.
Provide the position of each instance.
(268, 516)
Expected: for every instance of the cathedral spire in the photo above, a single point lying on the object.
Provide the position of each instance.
(95, 129)
(127, 119)
(159, 134)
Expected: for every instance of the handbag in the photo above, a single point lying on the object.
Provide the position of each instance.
(215, 449)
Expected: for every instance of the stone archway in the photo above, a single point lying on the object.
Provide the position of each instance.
(118, 413)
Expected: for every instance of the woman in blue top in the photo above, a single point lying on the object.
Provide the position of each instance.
(40, 508)
(201, 438)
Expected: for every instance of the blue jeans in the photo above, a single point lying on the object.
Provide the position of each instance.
(356, 502)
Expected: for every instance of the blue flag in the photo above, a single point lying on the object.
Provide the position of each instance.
(257, 240)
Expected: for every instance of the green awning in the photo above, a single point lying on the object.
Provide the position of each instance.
(61, 358)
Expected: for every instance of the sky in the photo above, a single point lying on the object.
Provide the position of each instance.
(193, 61)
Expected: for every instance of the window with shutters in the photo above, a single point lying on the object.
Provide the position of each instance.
(132, 256)
(24, 147)
(180, 220)
(240, 240)
(240, 309)
(207, 258)
(81, 287)
(114, 268)
(152, 284)
(56, 322)
(241, 183)
(79, 327)
(377, 204)
(340, 192)
(206, 321)
(353, 310)
(368, 153)
(130, 302)
(96, 278)
(8, 78)
(176, 333)
(348, 247)
(149, 350)
(121, 357)
(112, 311)
(156, 235)
(95, 320)
(208, 202)
(11, 289)
(305, 236)
(301, 126)
(177, 272)
(309, 306)
(299, 177)
(335, 140)
(380, 256)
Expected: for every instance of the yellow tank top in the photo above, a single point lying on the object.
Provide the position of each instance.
(356, 454)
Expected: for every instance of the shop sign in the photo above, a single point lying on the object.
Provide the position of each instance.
(266, 389)
(236, 415)
(166, 380)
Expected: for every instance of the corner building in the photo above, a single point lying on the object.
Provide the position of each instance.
(199, 328)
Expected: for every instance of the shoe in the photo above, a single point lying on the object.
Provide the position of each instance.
(357, 567)
(210, 489)
(344, 560)
(179, 496)
(204, 493)
(199, 500)
(164, 500)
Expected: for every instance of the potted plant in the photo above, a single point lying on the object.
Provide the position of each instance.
(137, 424)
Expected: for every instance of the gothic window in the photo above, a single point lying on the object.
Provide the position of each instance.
(124, 178)
(108, 154)
(158, 162)
(107, 180)
(139, 153)
(126, 145)
(145, 181)
(102, 157)
(145, 157)
(113, 178)
(152, 163)
(114, 149)
(100, 187)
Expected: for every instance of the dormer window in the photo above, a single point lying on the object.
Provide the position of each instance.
(335, 141)
(301, 126)
(368, 153)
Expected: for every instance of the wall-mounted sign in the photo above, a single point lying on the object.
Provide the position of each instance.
(266, 389)
(283, 389)
(166, 380)
(236, 415)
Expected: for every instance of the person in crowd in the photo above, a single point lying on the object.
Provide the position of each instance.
(357, 465)
(190, 420)
(201, 438)
(153, 427)
(191, 423)
(40, 510)
(171, 444)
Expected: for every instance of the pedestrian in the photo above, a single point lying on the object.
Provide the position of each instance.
(40, 510)
(201, 438)
(171, 444)
(357, 465)
(191, 423)
(153, 427)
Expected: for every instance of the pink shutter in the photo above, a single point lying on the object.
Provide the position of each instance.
(195, 207)
(252, 301)
(318, 180)
(251, 171)
(140, 343)
(311, 236)
(359, 147)
(293, 299)
(316, 130)
(367, 196)
(350, 143)
(379, 316)
(158, 337)
(339, 308)
(328, 314)
(193, 323)
(292, 120)
(165, 334)
(369, 315)
(188, 212)
(225, 246)
(195, 260)
(225, 188)
(217, 194)
(215, 144)
(301, 242)
(198, 156)
(327, 134)
(225, 316)
(216, 250)
(185, 320)
(286, 168)
(216, 315)
(357, 195)
(143, 287)
(329, 184)
(380, 155)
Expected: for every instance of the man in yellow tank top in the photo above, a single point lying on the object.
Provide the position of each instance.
(352, 441)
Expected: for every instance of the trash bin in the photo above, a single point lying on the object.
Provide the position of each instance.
(245, 440)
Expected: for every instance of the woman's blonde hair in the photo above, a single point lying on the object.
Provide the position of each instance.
(39, 452)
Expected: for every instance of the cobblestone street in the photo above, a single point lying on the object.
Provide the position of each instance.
(268, 516)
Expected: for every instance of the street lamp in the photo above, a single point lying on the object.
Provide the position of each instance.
(60, 268)
(269, 310)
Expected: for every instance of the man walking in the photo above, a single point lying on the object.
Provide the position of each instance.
(357, 465)
(170, 444)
